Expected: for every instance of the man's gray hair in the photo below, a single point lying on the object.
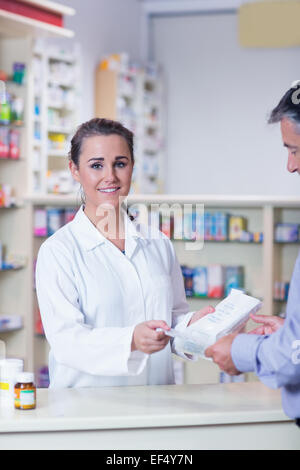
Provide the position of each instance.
(288, 107)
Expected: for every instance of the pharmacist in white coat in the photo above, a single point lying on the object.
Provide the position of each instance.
(103, 295)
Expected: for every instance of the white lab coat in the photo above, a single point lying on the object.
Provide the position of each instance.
(91, 296)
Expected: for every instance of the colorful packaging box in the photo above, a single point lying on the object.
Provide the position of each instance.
(14, 144)
(188, 274)
(221, 226)
(40, 223)
(167, 224)
(215, 276)
(200, 282)
(189, 229)
(286, 232)
(208, 226)
(69, 215)
(237, 225)
(198, 224)
(234, 278)
(4, 142)
(54, 220)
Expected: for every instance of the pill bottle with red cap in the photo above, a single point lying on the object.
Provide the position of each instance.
(25, 391)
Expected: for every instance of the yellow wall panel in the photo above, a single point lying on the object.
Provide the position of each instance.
(270, 24)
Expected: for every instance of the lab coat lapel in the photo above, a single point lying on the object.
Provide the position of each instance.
(133, 238)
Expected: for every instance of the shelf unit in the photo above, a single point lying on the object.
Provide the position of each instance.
(134, 96)
(56, 115)
(264, 262)
(17, 35)
(12, 24)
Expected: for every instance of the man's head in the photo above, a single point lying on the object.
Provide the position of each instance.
(287, 112)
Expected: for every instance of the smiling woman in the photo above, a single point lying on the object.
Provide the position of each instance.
(101, 160)
(102, 298)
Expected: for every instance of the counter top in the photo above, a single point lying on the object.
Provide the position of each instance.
(146, 407)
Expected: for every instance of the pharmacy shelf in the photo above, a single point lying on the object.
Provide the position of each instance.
(17, 35)
(260, 262)
(52, 6)
(57, 103)
(10, 330)
(15, 268)
(12, 24)
(135, 98)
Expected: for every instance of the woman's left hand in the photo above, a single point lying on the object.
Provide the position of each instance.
(201, 313)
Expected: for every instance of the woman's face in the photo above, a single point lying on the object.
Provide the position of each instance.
(104, 171)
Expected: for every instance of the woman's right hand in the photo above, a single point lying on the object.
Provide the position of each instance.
(145, 338)
(269, 324)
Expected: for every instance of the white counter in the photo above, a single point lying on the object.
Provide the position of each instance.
(228, 416)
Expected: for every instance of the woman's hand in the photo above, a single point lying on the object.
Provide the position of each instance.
(201, 313)
(270, 324)
(146, 339)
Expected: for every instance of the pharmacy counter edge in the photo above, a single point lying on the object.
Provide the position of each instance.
(224, 416)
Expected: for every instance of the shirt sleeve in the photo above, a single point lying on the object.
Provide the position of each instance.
(275, 358)
(98, 351)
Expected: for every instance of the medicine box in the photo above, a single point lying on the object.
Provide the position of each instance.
(40, 223)
(200, 282)
(54, 220)
(234, 278)
(215, 279)
(237, 225)
(286, 232)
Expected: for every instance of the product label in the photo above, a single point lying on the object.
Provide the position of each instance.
(4, 386)
(27, 397)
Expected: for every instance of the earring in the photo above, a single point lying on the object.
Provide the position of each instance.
(82, 195)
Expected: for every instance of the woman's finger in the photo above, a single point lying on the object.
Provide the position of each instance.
(153, 324)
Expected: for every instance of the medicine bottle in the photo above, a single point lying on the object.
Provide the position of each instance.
(25, 391)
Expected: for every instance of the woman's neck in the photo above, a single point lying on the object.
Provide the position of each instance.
(110, 224)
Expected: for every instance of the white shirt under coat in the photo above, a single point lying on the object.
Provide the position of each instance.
(91, 296)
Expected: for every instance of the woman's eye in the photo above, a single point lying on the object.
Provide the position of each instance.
(96, 165)
(120, 164)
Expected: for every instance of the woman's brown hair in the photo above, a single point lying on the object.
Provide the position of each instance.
(98, 126)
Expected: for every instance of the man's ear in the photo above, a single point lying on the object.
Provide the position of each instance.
(74, 171)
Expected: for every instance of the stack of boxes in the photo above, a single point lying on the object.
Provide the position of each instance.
(48, 220)
(215, 281)
(287, 233)
(218, 227)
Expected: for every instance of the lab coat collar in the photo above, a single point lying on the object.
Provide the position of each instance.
(90, 237)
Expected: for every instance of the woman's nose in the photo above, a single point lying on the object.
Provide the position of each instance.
(110, 174)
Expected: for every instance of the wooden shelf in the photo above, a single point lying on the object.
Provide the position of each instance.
(217, 200)
(52, 6)
(7, 270)
(9, 330)
(12, 25)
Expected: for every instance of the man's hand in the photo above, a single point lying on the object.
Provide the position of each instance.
(145, 338)
(220, 352)
(270, 324)
(201, 313)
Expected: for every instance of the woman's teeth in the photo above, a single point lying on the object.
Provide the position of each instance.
(112, 190)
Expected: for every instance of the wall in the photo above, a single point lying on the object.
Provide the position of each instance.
(102, 27)
(219, 96)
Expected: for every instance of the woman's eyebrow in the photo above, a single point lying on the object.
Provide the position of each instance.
(102, 159)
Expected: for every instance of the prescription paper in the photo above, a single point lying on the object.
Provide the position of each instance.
(230, 315)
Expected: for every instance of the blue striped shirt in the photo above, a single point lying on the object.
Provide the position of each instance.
(276, 358)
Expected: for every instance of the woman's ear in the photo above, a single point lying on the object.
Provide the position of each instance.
(74, 171)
